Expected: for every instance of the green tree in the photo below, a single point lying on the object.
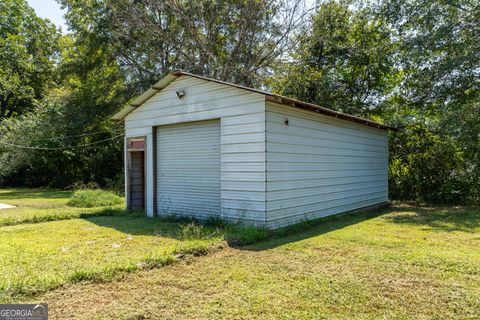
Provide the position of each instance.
(230, 40)
(439, 54)
(95, 87)
(345, 62)
(426, 165)
(27, 49)
(69, 138)
(439, 50)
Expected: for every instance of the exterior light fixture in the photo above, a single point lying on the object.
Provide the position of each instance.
(180, 94)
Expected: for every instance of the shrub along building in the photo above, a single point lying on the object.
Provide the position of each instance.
(201, 147)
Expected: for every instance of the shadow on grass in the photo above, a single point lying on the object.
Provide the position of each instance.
(438, 218)
(34, 194)
(135, 223)
(237, 236)
(256, 239)
(174, 227)
(313, 228)
(58, 215)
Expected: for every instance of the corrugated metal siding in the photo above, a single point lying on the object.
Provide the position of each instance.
(188, 169)
(318, 166)
(242, 142)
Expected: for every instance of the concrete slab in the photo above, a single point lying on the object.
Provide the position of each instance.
(5, 206)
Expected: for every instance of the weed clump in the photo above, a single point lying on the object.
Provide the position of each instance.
(94, 198)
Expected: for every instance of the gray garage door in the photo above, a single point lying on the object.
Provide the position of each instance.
(188, 169)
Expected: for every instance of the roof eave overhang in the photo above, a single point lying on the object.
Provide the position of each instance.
(141, 99)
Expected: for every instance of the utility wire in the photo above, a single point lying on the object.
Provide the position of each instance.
(75, 136)
(60, 148)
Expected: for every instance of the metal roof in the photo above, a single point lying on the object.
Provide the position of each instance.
(165, 81)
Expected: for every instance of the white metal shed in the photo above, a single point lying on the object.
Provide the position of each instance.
(211, 148)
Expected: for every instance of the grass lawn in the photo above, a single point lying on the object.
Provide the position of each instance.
(402, 263)
(35, 257)
(408, 263)
(44, 243)
(36, 205)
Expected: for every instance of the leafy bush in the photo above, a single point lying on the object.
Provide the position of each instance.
(94, 198)
(428, 166)
(116, 184)
(44, 148)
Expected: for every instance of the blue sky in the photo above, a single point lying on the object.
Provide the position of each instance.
(49, 9)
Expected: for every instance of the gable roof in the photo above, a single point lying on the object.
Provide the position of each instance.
(170, 77)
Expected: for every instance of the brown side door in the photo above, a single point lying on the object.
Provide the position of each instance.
(137, 180)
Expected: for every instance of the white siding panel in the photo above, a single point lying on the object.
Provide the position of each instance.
(324, 191)
(287, 156)
(242, 142)
(248, 216)
(241, 206)
(307, 175)
(188, 183)
(243, 138)
(234, 185)
(243, 167)
(340, 129)
(282, 185)
(242, 128)
(313, 141)
(246, 119)
(245, 176)
(243, 148)
(149, 174)
(243, 157)
(318, 165)
(284, 217)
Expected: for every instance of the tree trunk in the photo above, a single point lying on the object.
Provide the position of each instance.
(4, 112)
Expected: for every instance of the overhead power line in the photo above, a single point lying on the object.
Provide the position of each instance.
(75, 136)
(60, 148)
